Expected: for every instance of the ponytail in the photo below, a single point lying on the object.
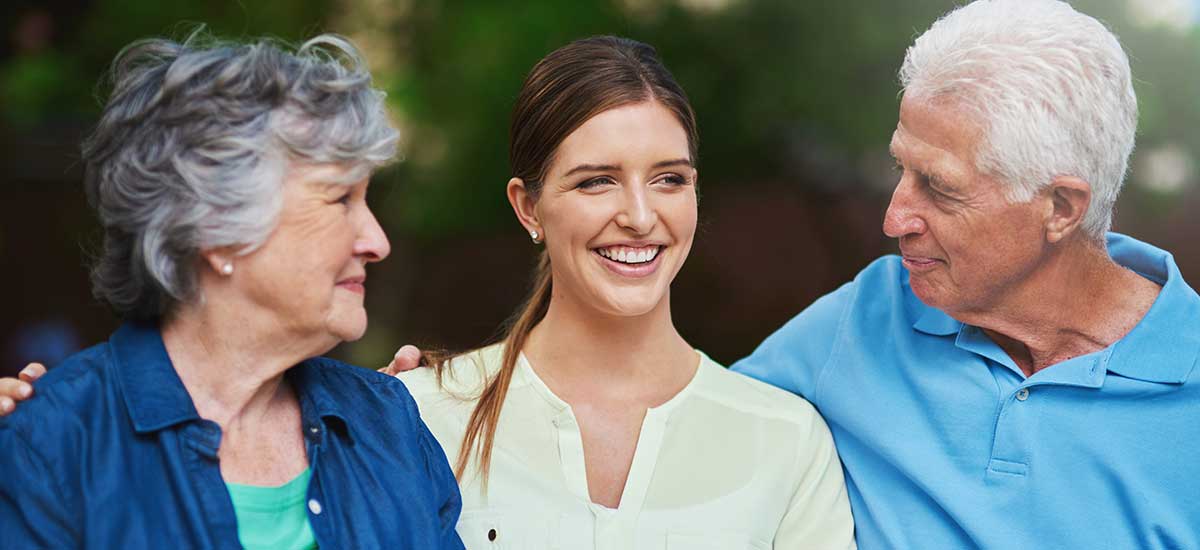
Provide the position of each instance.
(480, 436)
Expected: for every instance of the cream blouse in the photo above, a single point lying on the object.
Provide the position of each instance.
(728, 463)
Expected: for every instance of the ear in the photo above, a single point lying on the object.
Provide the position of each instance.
(523, 204)
(1069, 198)
(219, 260)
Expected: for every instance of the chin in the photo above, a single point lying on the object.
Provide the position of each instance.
(349, 327)
(628, 306)
(923, 291)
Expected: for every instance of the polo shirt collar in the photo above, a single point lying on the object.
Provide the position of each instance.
(1158, 349)
(153, 393)
(1163, 347)
(930, 320)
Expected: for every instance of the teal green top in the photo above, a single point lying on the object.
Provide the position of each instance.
(273, 517)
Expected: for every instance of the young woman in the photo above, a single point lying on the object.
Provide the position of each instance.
(593, 424)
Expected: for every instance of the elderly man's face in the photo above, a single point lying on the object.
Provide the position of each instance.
(967, 249)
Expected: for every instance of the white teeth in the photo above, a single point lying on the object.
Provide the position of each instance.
(629, 255)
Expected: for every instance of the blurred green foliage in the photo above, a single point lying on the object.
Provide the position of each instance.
(784, 90)
(794, 94)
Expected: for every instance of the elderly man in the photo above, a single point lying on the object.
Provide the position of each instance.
(1017, 378)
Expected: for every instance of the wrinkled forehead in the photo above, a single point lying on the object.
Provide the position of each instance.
(933, 134)
(942, 121)
(326, 174)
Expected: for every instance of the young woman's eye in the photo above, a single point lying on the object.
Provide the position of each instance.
(594, 182)
(674, 180)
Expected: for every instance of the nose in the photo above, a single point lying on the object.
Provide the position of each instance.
(637, 213)
(903, 215)
(372, 243)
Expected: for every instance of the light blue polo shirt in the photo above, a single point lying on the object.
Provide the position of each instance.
(946, 444)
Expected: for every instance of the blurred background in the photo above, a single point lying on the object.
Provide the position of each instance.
(796, 103)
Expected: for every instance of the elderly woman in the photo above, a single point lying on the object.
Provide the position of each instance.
(230, 181)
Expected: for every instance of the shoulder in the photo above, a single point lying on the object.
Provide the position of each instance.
(742, 394)
(877, 287)
(464, 377)
(883, 280)
(880, 293)
(334, 370)
(69, 402)
(354, 388)
(69, 389)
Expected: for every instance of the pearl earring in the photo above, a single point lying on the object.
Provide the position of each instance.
(534, 235)
(227, 269)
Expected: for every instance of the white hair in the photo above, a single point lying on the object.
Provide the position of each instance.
(192, 146)
(1051, 88)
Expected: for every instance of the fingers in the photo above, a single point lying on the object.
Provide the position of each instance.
(407, 358)
(32, 372)
(15, 389)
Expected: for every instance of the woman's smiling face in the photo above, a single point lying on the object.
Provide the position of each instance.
(617, 210)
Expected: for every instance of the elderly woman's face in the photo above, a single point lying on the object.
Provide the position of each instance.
(310, 273)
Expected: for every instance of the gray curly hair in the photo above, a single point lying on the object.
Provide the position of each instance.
(193, 143)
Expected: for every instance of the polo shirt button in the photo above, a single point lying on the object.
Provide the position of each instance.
(315, 430)
(1022, 394)
(314, 506)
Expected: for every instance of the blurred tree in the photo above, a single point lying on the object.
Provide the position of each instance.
(796, 103)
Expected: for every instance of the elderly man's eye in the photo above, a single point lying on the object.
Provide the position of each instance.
(343, 199)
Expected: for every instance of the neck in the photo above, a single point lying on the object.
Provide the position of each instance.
(1076, 302)
(231, 370)
(580, 344)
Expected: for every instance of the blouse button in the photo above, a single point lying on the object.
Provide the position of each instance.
(491, 534)
(314, 506)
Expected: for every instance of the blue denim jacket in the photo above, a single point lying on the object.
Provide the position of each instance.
(112, 454)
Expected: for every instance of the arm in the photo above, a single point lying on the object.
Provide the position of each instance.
(819, 513)
(33, 506)
(446, 494)
(14, 390)
(794, 357)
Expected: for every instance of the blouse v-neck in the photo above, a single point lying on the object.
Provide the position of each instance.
(570, 440)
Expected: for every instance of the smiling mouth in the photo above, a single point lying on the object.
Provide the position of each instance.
(919, 264)
(630, 255)
(353, 284)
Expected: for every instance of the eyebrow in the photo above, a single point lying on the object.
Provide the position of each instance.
(617, 167)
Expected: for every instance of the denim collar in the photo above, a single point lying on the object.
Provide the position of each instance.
(154, 394)
(157, 399)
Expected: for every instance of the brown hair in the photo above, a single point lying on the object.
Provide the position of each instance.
(563, 91)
